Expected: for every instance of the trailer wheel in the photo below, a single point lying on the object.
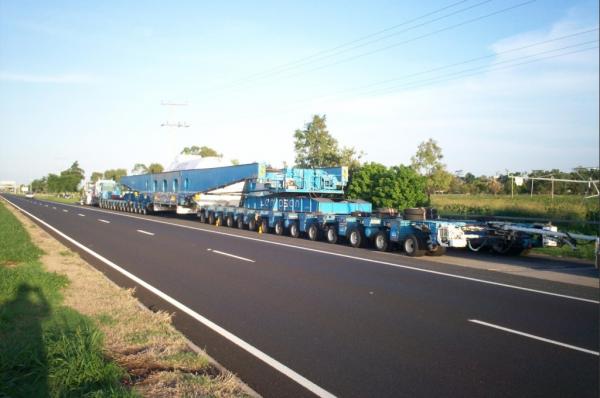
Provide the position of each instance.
(211, 218)
(252, 224)
(355, 237)
(240, 222)
(294, 230)
(331, 234)
(438, 251)
(202, 217)
(264, 225)
(313, 232)
(381, 241)
(413, 246)
(279, 227)
(229, 221)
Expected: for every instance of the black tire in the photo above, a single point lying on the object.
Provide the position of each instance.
(331, 234)
(211, 218)
(413, 246)
(414, 214)
(355, 237)
(438, 251)
(264, 226)
(229, 221)
(381, 241)
(313, 232)
(240, 222)
(279, 228)
(294, 230)
(252, 224)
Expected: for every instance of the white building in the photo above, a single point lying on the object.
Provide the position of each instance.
(8, 186)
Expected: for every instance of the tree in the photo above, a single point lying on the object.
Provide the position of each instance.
(494, 185)
(155, 168)
(203, 151)
(316, 147)
(96, 175)
(139, 168)
(428, 162)
(398, 186)
(114, 174)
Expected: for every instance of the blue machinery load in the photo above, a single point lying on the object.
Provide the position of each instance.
(310, 202)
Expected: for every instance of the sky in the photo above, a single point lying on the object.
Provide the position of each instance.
(501, 85)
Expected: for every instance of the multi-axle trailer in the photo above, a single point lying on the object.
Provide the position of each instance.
(310, 202)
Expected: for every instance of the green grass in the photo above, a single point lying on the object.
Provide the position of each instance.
(584, 251)
(575, 210)
(46, 349)
(56, 198)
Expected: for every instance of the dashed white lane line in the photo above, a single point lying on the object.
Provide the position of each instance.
(532, 336)
(231, 255)
(54, 207)
(298, 378)
(141, 231)
(81, 215)
(46, 205)
(65, 210)
(104, 221)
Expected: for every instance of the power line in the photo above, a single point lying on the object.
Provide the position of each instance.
(447, 28)
(471, 60)
(342, 51)
(467, 73)
(368, 36)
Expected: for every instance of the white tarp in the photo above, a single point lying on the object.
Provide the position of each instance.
(189, 162)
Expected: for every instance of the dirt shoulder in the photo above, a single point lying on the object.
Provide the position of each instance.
(156, 356)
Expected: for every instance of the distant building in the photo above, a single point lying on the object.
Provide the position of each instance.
(8, 186)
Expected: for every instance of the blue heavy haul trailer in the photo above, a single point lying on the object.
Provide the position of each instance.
(310, 202)
(290, 201)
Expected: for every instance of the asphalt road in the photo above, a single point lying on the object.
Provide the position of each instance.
(329, 319)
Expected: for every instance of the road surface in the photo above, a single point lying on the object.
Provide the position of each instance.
(300, 318)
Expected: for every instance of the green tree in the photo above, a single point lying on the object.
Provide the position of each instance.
(155, 168)
(139, 168)
(40, 185)
(114, 174)
(96, 175)
(398, 186)
(203, 151)
(428, 162)
(316, 147)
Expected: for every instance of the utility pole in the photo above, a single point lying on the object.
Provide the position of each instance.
(171, 124)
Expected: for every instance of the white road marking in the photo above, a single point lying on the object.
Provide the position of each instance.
(104, 221)
(81, 215)
(532, 336)
(268, 242)
(44, 205)
(54, 207)
(304, 382)
(231, 255)
(141, 231)
(65, 210)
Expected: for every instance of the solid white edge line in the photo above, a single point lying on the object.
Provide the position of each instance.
(304, 382)
(231, 255)
(145, 232)
(532, 336)
(526, 289)
(104, 221)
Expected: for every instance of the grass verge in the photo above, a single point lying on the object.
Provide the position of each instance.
(46, 348)
(66, 330)
(55, 198)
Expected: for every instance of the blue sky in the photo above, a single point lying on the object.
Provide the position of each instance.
(85, 81)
